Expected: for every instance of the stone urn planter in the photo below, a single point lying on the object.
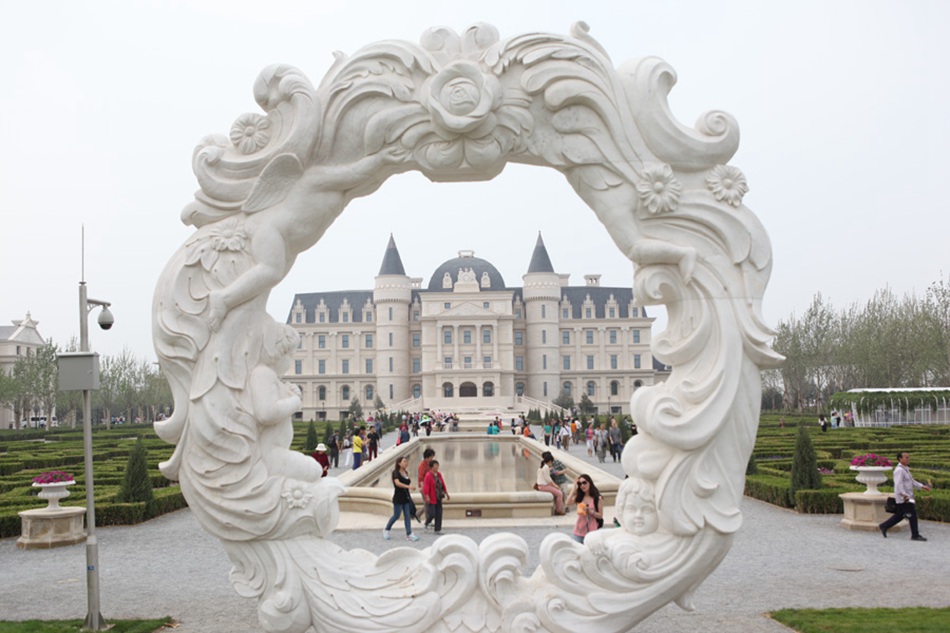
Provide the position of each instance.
(53, 492)
(872, 477)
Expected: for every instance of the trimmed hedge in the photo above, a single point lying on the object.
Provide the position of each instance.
(30, 452)
(774, 448)
(771, 489)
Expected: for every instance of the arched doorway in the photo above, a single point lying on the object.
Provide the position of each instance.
(468, 390)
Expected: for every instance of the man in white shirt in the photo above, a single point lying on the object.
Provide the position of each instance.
(904, 486)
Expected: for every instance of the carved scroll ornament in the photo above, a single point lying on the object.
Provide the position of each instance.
(459, 107)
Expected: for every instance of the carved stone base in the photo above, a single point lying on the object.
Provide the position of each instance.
(44, 529)
(865, 512)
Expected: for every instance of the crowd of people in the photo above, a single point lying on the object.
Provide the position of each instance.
(580, 494)
(599, 439)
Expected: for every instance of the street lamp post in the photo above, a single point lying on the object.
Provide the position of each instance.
(94, 620)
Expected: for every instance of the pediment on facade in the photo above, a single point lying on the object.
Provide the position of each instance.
(467, 310)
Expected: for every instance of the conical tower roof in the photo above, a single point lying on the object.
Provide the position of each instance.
(540, 262)
(392, 263)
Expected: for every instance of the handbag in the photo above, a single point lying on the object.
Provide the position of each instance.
(890, 505)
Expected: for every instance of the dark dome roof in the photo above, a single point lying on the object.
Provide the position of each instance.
(466, 260)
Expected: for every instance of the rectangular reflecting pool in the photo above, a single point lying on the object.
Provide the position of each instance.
(487, 476)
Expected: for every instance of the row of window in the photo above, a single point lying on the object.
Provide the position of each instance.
(613, 360)
(448, 361)
(344, 315)
(466, 336)
(588, 312)
(344, 365)
(612, 337)
(567, 388)
(468, 389)
(591, 387)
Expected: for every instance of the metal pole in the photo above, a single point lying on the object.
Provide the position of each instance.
(94, 620)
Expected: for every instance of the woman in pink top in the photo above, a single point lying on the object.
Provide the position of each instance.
(590, 507)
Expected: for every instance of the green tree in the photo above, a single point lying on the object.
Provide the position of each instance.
(805, 475)
(586, 406)
(45, 376)
(137, 485)
(938, 306)
(379, 405)
(356, 409)
(8, 391)
(311, 442)
(564, 400)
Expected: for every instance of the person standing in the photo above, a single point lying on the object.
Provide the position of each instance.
(590, 507)
(402, 501)
(904, 486)
(334, 447)
(347, 450)
(616, 440)
(589, 438)
(434, 491)
(601, 442)
(427, 456)
(823, 423)
(373, 444)
(566, 437)
(358, 441)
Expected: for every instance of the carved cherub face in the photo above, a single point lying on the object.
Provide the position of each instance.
(639, 516)
(279, 345)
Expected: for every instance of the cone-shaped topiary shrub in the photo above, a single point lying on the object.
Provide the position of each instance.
(805, 475)
(137, 485)
(311, 442)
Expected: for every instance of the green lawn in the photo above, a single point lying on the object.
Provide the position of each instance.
(911, 620)
(74, 626)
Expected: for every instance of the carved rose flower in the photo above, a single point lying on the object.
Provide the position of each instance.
(728, 184)
(250, 133)
(228, 236)
(659, 190)
(462, 99)
(297, 496)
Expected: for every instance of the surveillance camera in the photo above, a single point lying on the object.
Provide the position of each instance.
(106, 319)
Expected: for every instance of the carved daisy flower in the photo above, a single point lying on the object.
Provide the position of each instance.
(297, 496)
(659, 190)
(250, 133)
(228, 236)
(728, 184)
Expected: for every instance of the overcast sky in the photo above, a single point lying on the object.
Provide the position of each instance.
(843, 109)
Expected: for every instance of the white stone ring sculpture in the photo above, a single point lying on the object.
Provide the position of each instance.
(459, 107)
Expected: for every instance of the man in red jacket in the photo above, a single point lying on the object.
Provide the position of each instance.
(433, 491)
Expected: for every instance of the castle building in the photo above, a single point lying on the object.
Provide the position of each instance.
(469, 342)
(17, 341)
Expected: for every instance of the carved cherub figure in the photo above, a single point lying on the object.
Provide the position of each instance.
(288, 211)
(274, 402)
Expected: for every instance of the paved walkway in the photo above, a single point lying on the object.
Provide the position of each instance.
(780, 559)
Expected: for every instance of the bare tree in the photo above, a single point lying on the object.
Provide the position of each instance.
(938, 304)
